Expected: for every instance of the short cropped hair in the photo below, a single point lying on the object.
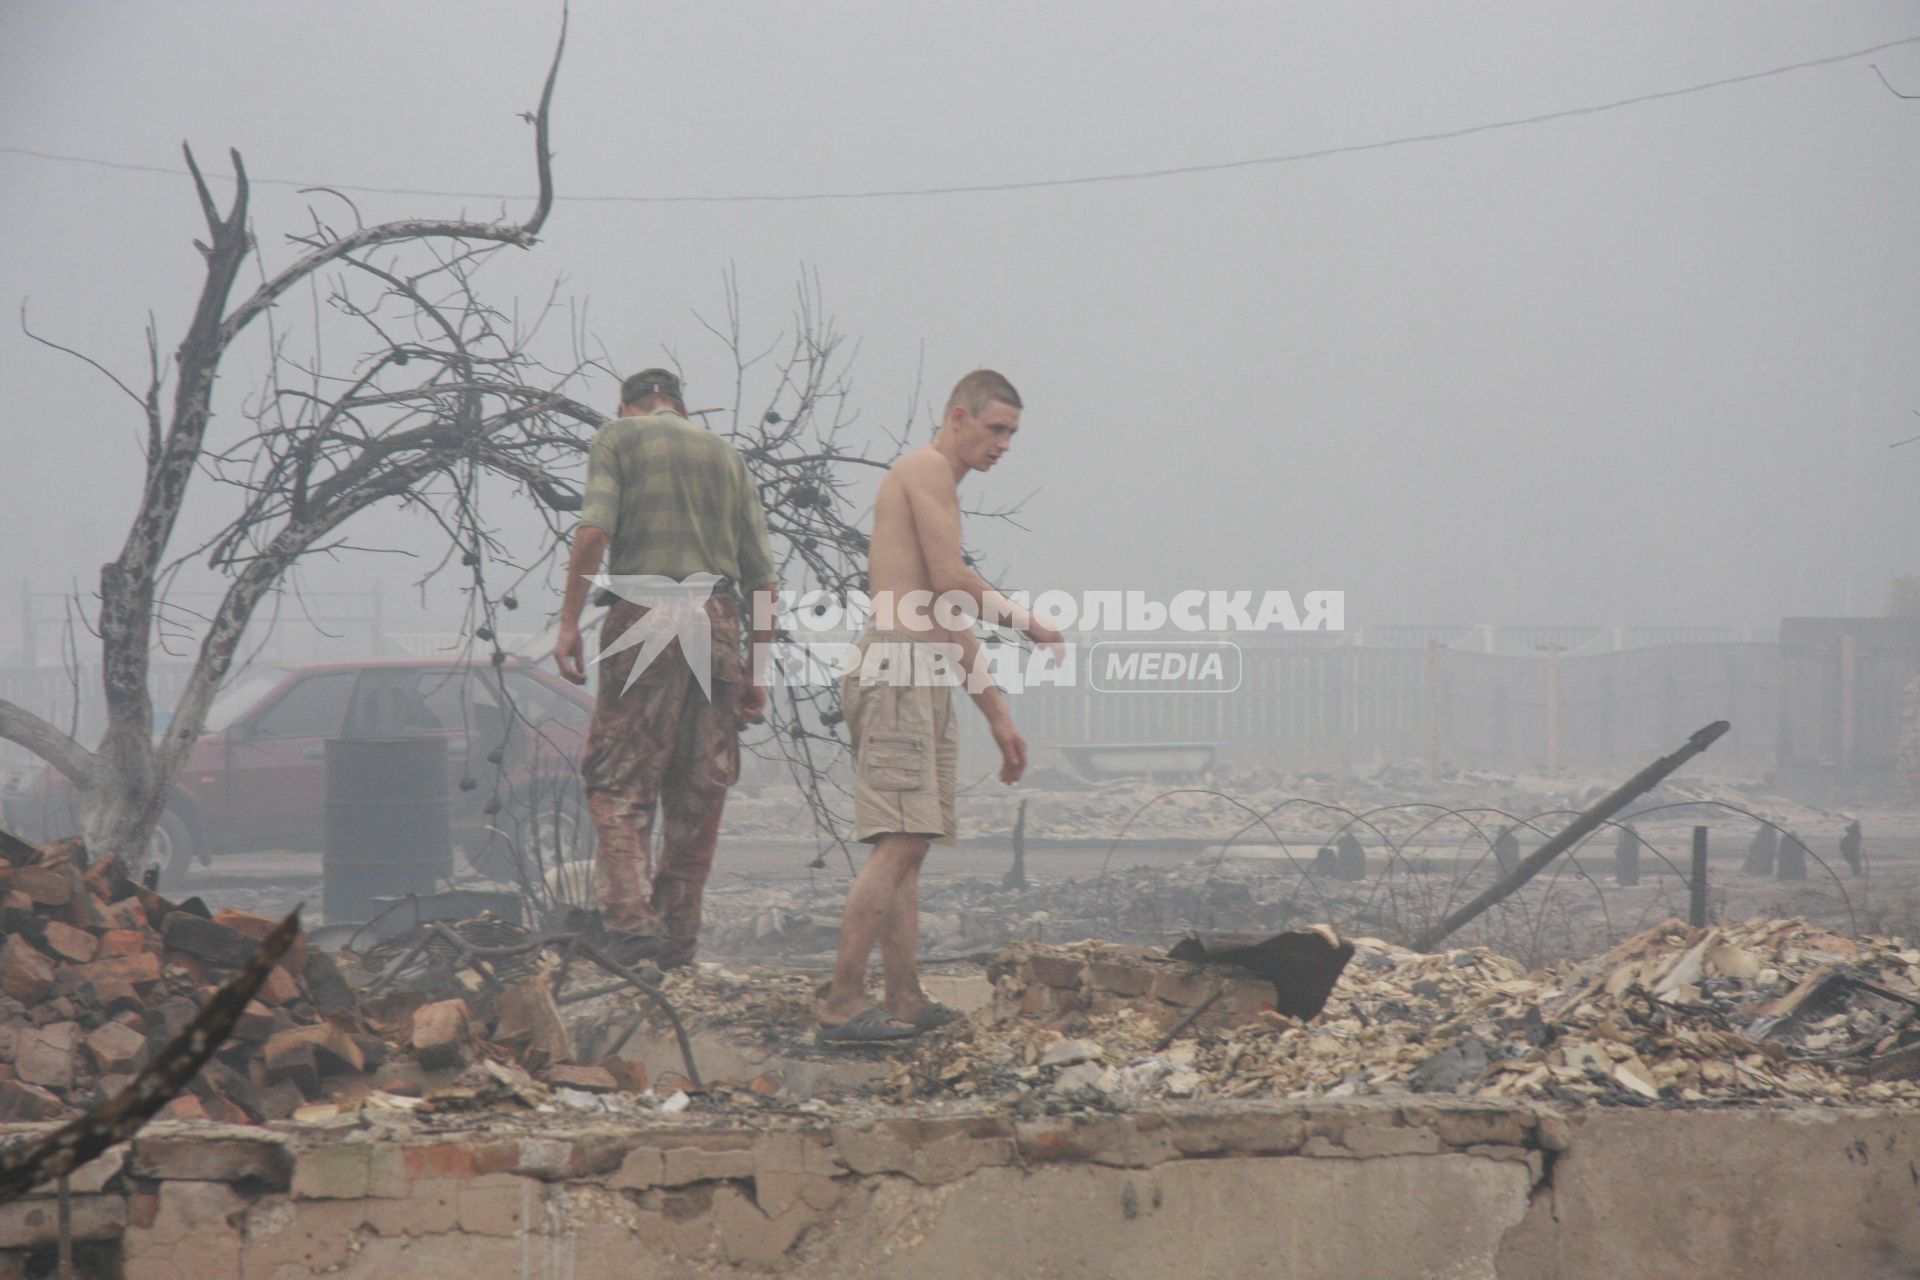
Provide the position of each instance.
(981, 388)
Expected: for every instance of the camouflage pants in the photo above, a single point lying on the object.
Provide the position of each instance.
(661, 744)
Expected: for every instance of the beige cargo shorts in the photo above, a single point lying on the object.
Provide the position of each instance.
(906, 741)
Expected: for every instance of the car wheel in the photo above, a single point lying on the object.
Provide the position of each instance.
(533, 837)
(171, 849)
(560, 829)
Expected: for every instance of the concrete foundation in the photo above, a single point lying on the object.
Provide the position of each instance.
(1350, 1190)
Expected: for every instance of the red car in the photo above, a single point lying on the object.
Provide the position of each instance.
(256, 780)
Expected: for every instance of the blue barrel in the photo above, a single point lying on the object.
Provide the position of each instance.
(389, 827)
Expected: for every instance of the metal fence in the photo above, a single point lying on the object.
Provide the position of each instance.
(1320, 707)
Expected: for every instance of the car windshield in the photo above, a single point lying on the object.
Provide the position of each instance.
(240, 695)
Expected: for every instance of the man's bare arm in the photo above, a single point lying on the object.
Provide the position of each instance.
(992, 702)
(569, 652)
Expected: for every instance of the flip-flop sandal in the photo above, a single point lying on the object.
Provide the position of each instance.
(872, 1025)
(933, 1015)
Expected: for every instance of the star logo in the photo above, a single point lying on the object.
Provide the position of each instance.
(674, 611)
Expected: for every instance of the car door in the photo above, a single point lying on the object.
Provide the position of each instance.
(554, 722)
(277, 764)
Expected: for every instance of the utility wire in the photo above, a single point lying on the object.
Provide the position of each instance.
(1140, 175)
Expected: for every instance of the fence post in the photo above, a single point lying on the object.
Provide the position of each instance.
(1697, 902)
(1434, 752)
(1553, 708)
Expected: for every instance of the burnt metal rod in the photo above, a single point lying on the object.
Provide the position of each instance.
(1573, 833)
(591, 993)
(652, 993)
(1167, 1040)
(1697, 882)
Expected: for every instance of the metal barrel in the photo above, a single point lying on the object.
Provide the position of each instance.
(388, 822)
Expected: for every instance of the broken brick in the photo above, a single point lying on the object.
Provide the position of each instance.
(1188, 988)
(250, 923)
(123, 942)
(69, 943)
(442, 1034)
(184, 1107)
(373, 1050)
(629, 1073)
(25, 974)
(292, 1063)
(84, 912)
(530, 1023)
(116, 997)
(280, 1100)
(107, 879)
(215, 943)
(110, 1086)
(171, 1016)
(255, 1022)
(221, 1109)
(236, 1086)
(1119, 977)
(258, 927)
(586, 1079)
(334, 1050)
(47, 886)
(330, 992)
(278, 988)
(1056, 971)
(135, 970)
(115, 1048)
(200, 973)
(21, 1102)
(45, 1055)
(124, 914)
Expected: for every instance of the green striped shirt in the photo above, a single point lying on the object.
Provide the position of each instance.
(675, 499)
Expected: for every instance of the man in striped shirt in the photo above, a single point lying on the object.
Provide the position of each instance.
(674, 510)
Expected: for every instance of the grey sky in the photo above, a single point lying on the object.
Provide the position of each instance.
(1636, 367)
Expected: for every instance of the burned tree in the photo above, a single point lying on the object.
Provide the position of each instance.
(447, 393)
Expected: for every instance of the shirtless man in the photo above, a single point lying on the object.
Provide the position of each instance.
(898, 699)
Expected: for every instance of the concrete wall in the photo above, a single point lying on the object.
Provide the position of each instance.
(1356, 1191)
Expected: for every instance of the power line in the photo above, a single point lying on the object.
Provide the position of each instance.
(1140, 175)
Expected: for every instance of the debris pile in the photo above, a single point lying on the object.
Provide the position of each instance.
(97, 971)
(1761, 1010)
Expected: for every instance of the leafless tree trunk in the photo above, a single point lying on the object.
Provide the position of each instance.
(462, 407)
